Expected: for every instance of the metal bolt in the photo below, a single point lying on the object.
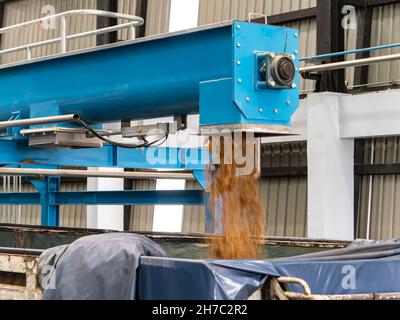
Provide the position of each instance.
(248, 99)
(275, 110)
(261, 110)
(240, 80)
(238, 45)
(238, 62)
(272, 83)
(293, 57)
(238, 27)
(294, 86)
(296, 51)
(296, 35)
(288, 102)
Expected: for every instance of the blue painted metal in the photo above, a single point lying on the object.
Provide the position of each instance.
(182, 197)
(212, 71)
(18, 153)
(155, 78)
(143, 79)
(50, 210)
(146, 197)
(22, 198)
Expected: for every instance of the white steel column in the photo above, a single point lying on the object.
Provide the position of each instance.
(330, 171)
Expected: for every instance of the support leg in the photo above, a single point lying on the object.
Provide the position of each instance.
(46, 188)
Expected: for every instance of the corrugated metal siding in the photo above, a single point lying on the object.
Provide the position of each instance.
(70, 216)
(158, 12)
(194, 219)
(126, 7)
(285, 199)
(385, 30)
(141, 217)
(24, 10)
(385, 197)
(73, 216)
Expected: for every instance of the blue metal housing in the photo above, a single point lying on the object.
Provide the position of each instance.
(213, 71)
(160, 76)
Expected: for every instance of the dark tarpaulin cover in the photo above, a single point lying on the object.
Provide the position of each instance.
(107, 267)
(100, 267)
(375, 267)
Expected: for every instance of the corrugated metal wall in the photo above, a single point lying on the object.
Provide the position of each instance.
(18, 11)
(157, 20)
(141, 217)
(385, 30)
(194, 219)
(70, 216)
(158, 12)
(382, 205)
(285, 199)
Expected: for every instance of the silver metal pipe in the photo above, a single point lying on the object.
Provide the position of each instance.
(350, 63)
(30, 46)
(63, 34)
(34, 121)
(93, 174)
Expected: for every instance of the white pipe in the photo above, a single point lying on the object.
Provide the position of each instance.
(34, 121)
(350, 63)
(93, 174)
(69, 37)
(371, 179)
(63, 34)
(101, 13)
(134, 21)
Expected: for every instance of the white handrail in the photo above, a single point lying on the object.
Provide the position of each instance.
(134, 21)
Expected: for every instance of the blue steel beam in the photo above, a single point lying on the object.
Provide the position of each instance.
(151, 197)
(134, 198)
(20, 198)
(18, 153)
(147, 78)
(168, 75)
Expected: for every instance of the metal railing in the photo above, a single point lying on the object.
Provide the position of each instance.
(278, 291)
(133, 22)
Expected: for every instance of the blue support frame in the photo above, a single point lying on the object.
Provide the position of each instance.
(50, 199)
(212, 71)
(47, 189)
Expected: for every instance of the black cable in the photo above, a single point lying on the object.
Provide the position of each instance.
(118, 144)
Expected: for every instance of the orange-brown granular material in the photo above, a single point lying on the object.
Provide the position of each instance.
(236, 206)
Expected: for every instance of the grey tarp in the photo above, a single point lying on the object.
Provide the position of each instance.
(371, 268)
(100, 267)
(104, 267)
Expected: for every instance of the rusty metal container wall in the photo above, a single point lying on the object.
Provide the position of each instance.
(24, 10)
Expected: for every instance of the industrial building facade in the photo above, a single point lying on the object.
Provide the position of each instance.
(284, 165)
